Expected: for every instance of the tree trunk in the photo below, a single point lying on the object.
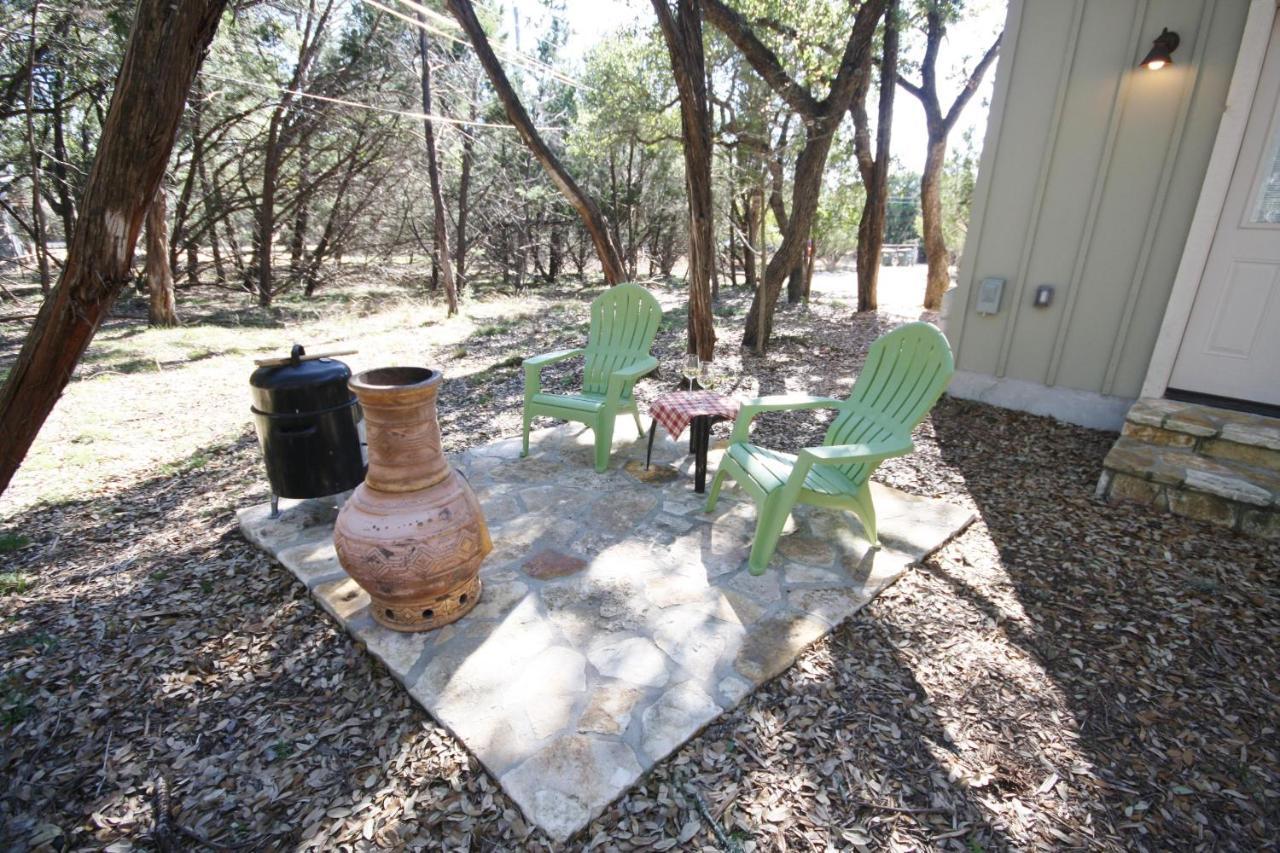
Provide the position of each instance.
(212, 200)
(683, 35)
(873, 165)
(40, 236)
(555, 254)
(939, 124)
(464, 206)
(795, 282)
(811, 256)
(273, 154)
(65, 207)
(266, 220)
(733, 243)
(935, 245)
(11, 245)
(162, 308)
(633, 195)
(443, 258)
(182, 232)
(193, 261)
(822, 118)
(750, 252)
(301, 215)
(804, 203)
(592, 219)
(166, 43)
(757, 332)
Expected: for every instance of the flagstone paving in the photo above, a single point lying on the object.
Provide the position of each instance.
(617, 619)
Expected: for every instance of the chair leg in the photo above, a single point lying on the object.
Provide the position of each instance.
(635, 413)
(865, 511)
(772, 517)
(604, 441)
(528, 420)
(715, 490)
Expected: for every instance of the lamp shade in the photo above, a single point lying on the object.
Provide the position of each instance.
(1161, 53)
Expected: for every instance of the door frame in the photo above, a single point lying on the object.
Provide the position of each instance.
(1213, 194)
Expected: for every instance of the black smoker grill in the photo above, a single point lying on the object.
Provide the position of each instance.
(308, 425)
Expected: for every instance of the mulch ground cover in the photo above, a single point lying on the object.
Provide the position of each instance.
(1066, 674)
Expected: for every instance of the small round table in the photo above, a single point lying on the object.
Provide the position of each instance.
(676, 410)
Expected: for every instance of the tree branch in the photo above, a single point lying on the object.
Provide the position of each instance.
(762, 59)
(610, 261)
(971, 85)
(911, 87)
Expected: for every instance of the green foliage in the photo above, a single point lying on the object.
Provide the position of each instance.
(352, 183)
(10, 542)
(15, 704)
(12, 583)
(835, 225)
(959, 176)
(806, 35)
(194, 462)
(624, 144)
(903, 210)
(490, 331)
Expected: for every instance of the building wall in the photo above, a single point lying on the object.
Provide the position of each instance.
(1089, 177)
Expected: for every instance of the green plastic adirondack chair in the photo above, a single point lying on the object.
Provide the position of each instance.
(905, 373)
(624, 321)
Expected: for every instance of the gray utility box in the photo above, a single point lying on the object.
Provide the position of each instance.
(989, 293)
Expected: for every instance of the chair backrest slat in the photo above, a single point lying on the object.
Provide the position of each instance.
(624, 322)
(905, 373)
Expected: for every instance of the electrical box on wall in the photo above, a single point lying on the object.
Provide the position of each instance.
(1044, 296)
(989, 293)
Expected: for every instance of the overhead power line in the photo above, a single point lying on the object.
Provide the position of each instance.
(280, 90)
(506, 53)
(511, 57)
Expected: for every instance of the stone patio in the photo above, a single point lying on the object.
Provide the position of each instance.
(617, 619)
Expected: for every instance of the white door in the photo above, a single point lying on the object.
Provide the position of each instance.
(1231, 347)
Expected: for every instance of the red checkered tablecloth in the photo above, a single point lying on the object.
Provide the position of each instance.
(676, 409)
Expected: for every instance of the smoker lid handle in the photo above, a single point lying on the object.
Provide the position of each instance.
(280, 362)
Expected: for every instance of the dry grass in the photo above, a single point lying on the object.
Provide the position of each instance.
(1065, 674)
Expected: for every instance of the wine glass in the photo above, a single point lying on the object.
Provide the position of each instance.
(706, 375)
(690, 368)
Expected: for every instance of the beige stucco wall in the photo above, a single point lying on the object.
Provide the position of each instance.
(1089, 177)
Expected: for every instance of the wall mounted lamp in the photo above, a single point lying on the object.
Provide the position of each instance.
(1161, 53)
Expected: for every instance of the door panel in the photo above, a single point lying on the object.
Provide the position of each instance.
(1231, 347)
(1238, 322)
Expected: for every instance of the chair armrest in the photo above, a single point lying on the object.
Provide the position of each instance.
(777, 403)
(540, 361)
(842, 454)
(636, 369)
(838, 454)
(624, 377)
(533, 369)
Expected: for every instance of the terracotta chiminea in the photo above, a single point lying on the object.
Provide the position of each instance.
(412, 534)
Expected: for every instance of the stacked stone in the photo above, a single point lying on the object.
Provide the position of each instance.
(1201, 462)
